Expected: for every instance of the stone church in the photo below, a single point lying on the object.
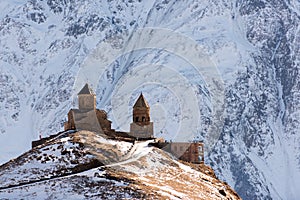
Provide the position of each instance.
(88, 117)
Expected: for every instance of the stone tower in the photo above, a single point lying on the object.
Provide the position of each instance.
(141, 111)
(87, 116)
(86, 98)
(141, 127)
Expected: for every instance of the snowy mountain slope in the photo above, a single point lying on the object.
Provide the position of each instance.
(263, 139)
(137, 172)
(254, 44)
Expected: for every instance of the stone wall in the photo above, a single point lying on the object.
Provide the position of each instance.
(91, 120)
(187, 151)
(141, 131)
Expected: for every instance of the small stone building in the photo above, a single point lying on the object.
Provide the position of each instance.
(141, 127)
(187, 151)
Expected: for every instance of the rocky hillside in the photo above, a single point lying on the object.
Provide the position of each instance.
(83, 165)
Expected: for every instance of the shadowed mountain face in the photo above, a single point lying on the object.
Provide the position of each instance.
(84, 165)
(254, 45)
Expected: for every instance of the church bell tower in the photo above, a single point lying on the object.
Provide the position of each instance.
(141, 127)
(141, 111)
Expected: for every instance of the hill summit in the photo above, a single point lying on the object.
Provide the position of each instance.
(84, 165)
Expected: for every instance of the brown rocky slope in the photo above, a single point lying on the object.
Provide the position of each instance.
(84, 165)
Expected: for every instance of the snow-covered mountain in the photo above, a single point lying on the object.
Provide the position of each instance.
(48, 47)
(85, 165)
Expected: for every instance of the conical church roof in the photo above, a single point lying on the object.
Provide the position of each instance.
(141, 102)
(86, 90)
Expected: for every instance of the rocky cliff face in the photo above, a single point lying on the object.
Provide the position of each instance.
(254, 45)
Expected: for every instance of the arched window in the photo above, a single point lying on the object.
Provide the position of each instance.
(200, 149)
(136, 119)
(143, 119)
(200, 158)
